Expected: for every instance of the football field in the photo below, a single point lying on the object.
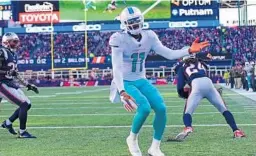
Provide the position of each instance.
(82, 122)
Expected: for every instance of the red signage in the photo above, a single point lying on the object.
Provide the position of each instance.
(39, 17)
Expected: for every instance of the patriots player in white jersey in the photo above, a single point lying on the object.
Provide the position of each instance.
(129, 52)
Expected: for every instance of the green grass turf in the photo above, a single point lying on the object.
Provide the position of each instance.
(74, 10)
(69, 110)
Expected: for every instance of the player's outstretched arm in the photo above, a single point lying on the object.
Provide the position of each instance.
(170, 54)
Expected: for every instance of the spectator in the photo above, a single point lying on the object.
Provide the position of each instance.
(238, 77)
(232, 77)
(227, 77)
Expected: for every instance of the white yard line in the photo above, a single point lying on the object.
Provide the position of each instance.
(92, 102)
(116, 114)
(128, 126)
(83, 102)
(68, 108)
(68, 93)
(95, 104)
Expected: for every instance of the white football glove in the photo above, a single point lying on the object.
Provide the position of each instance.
(128, 102)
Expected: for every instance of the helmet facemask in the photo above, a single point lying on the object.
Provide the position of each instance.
(134, 25)
(14, 44)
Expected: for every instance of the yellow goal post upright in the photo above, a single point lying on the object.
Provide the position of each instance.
(85, 49)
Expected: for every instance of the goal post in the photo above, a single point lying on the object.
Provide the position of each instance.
(53, 67)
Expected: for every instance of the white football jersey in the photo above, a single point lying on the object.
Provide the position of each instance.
(134, 52)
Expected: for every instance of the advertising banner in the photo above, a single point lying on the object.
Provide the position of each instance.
(182, 10)
(45, 63)
(37, 18)
(36, 12)
(105, 27)
(215, 56)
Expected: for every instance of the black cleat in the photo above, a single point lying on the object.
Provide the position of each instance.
(25, 135)
(9, 128)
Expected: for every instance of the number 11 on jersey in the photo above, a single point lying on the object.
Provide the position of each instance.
(137, 58)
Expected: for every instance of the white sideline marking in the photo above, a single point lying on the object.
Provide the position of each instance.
(241, 92)
(128, 126)
(116, 114)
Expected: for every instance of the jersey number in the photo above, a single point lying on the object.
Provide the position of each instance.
(137, 57)
(193, 69)
(13, 67)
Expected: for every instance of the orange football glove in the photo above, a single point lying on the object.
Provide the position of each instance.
(197, 47)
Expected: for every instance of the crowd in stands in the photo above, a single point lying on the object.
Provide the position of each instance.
(238, 41)
(34, 46)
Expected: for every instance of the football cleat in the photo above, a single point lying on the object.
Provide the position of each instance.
(239, 134)
(182, 136)
(133, 146)
(250, 90)
(155, 152)
(9, 128)
(25, 135)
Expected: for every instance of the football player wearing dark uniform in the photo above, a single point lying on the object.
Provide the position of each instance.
(194, 85)
(10, 89)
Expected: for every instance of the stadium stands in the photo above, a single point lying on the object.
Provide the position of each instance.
(239, 41)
